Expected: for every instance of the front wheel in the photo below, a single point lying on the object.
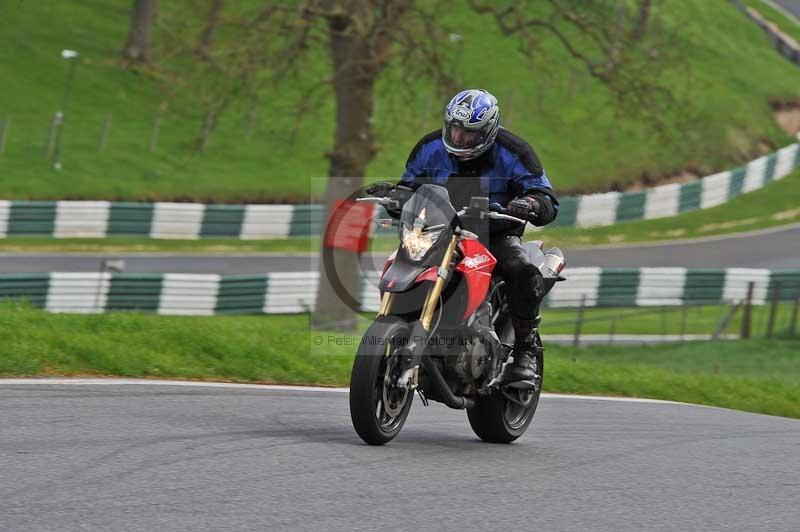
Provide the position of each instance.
(505, 415)
(379, 409)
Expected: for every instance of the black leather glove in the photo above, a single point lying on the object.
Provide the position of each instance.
(525, 207)
(381, 188)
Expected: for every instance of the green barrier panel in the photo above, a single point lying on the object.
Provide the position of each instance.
(567, 212)
(618, 287)
(130, 219)
(306, 220)
(631, 206)
(241, 294)
(134, 292)
(222, 220)
(704, 286)
(30, 287)
(796, 161)
(790, 285)
(690, 196)
(769, 170)
(737, 182)
(32, 218)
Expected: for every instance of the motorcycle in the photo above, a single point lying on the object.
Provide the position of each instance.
(443, 329)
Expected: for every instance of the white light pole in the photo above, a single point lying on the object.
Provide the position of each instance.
(71, 56)
(109, 266)
(458, 40)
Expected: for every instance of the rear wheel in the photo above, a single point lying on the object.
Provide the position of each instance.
(505, 415)
(379, 409)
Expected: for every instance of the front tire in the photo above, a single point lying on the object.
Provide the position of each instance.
(377, 409)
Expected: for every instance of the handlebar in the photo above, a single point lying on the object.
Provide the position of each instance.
(386, 201)
(498, 212)
(376, 199)
(494, 212)
(506, 217)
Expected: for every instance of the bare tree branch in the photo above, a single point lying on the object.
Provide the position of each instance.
(595, 21)
(212, 23)
(346, 46)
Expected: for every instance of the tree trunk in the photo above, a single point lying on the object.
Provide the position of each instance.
(644, 19)
(354, 79)
(360, 38)
(212, 23)
(137, 48)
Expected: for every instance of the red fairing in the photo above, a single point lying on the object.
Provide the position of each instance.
(428, 275)
(386, 264)
(476, 267)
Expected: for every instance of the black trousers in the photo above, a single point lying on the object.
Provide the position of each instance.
(524, 281)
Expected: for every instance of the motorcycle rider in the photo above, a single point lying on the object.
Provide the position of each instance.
(472, 144)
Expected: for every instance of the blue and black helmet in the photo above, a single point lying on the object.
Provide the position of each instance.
(471, 121)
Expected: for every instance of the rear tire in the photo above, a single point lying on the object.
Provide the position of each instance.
(378, 411)
(505, 415)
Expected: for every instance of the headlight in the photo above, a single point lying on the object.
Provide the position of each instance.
(417, 244)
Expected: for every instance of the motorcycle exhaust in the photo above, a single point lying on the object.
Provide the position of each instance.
(554, 263)
(448, 397)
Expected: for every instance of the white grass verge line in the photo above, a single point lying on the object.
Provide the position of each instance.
(280, 387)
(634, 338)
(698, 240)
(780, 9)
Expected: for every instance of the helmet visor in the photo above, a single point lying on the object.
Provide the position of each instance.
(462, 138)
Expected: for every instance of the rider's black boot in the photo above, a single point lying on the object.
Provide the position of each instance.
(521, 372)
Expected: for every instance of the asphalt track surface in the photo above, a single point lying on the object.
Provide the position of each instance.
(777, 248)
(143, 457)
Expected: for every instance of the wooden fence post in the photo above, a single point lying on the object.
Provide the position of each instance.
(726, 320)
(101, 145)
(4, 132)
(793, 322)
(55, 123)
(773, 308)
(156, 127)
(746, 317)
(208, 125)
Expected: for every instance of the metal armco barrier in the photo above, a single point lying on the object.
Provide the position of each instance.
(295, 292)
(100, 219)
(187, 221)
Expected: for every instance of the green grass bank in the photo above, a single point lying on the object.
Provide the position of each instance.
(728, 76)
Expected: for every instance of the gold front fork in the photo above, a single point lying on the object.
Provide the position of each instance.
(429, 306)
(386, 304)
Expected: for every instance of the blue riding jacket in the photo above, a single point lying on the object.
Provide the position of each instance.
(508, 170)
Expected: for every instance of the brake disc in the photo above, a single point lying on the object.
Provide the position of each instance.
(391, 403)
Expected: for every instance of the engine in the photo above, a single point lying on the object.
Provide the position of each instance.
(470, 364)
